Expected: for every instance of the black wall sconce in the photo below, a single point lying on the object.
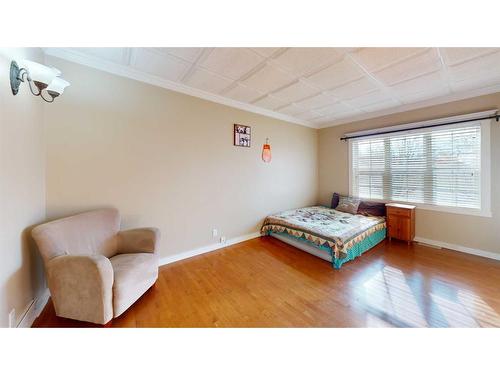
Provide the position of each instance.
(44, 79)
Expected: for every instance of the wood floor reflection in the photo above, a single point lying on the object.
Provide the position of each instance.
(266, 283)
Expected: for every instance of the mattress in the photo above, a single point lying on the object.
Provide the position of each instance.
(327, 233)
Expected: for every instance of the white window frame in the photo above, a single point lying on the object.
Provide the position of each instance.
(485, 192)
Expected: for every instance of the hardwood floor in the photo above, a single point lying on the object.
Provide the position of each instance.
(266, 283)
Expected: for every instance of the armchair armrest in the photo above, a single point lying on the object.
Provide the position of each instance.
(140, 240)
(81, 287)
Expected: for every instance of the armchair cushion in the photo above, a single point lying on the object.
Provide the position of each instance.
(81, 287)
(139, 240)
(134, 274)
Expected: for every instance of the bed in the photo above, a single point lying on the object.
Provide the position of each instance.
(326, 233)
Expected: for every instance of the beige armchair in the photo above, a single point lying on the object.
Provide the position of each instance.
(95, 271)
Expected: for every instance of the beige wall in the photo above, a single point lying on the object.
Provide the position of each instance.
(464, 230)
(166, 159)
(22, 189)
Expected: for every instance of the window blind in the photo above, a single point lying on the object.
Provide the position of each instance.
(438, 166)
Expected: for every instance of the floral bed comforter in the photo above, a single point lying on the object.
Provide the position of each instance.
(324, 226)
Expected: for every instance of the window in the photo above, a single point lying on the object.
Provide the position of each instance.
(444, 168)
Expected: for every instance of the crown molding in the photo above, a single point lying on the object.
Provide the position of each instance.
(129, 72)
(412, 106)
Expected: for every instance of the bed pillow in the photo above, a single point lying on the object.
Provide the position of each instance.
(348, 205)
(369, 208)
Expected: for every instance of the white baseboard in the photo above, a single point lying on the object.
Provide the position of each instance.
(207, 249)
(463, 249)
(34, 309)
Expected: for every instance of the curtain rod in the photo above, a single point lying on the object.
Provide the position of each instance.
(495, 116)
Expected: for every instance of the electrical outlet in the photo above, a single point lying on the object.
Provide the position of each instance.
(222, 239)
(12, 318)
(215, 232)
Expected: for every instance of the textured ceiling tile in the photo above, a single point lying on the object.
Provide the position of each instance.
(334, 109)
(473, 84)
(336, 75)
(291, 110)
(208, 81)
(374, 59)
(416, 87)
(268, 78)
(159, 64)
(335, 116)
(243, 93)
(295, 92)
(353, 89)
(301, 61)
(368, 99)
(115, 55)
(269, 102)
(185, 53)
(309, 115)
(317, 101)
(231, 62)
(417, 96)
(388, 103)
(323, 120)
(453, 56)
(413, 67)
(479, 69)
(347, 114)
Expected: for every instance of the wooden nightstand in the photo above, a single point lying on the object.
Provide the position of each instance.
(400, 221)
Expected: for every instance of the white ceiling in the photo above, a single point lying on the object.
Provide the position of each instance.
(316, 87)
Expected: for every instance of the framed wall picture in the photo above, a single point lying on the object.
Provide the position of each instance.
(242, 135)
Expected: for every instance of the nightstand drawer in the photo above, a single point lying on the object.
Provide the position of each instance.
(398, 211)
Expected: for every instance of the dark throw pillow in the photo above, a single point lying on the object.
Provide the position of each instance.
(368, 208)
(335, 200)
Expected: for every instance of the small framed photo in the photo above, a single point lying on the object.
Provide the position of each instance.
(242, 135)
